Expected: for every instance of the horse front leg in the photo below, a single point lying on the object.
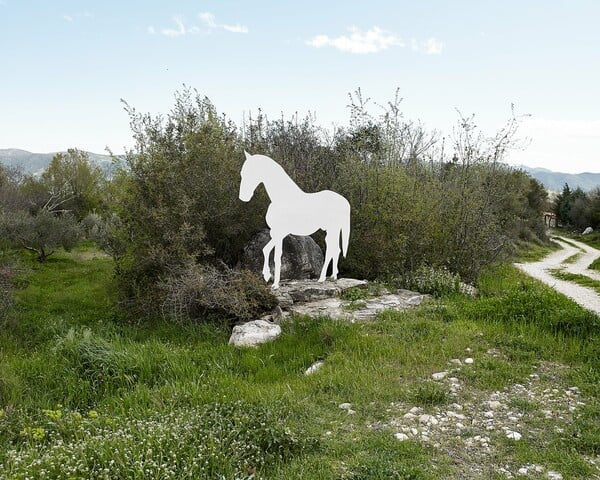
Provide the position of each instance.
(266, 271)
(278, 254)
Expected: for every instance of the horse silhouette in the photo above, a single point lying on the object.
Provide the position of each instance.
(293, 211)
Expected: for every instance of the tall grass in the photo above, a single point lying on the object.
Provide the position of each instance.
(86, 395)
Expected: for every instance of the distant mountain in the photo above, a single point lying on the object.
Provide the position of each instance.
(34, 163)
(555, 181)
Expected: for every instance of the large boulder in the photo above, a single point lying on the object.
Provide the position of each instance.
(252, 334)
(302, 258)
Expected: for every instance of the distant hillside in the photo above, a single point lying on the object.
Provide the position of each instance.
(34, 163)
(554, 181)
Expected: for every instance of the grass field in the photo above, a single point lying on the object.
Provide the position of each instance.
(88, 393)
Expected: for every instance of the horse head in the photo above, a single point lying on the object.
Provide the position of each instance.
(250, 178)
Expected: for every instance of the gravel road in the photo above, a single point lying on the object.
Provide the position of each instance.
(586, 297)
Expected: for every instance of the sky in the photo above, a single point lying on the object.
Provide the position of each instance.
(66, 65)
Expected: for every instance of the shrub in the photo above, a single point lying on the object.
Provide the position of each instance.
(202, 290)
(434, 281)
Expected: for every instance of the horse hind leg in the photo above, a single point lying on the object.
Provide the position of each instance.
(330, 248)
(335, 256)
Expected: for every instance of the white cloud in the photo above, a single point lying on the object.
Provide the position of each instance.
(431, 46)
(209, 21)
(372, 41)
(237, 28)
(176, 32)
(74, 16)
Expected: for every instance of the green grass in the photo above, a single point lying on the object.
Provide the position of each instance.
(158, 400)
(534, 252)
(592, 239)
(573, 258)
(577, 278)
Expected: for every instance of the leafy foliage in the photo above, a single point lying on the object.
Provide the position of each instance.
(42, 233)
(412, 203)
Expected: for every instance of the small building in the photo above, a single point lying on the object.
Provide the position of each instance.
(550, 219)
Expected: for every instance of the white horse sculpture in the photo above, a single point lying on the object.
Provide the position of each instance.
(295, 212)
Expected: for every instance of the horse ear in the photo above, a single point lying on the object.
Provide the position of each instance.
(247, 154)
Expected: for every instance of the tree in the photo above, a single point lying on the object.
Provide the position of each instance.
(42, 233)
(72, 184)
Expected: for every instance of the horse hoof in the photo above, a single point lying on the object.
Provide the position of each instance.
(267, 276)
(274, 287)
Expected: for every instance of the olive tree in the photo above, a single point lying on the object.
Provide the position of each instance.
(40, 234)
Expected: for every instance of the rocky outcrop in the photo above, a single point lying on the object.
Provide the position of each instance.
(325, 299)
(302, 258)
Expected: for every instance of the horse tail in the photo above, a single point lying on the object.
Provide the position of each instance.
(346, 231)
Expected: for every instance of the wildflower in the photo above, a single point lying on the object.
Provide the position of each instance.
(52, 414)
(36, 432)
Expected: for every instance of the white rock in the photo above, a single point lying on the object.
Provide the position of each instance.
(554, 475)
(488, 414)
(351, 412)
(523, 471)
(494, 405)
(401, 436)
(456, 361)
(314, 367)
(345, 406)
(513, 435)
(252, 334)
(468, 361)
(428, 419)
(415, 410)
(439, 375)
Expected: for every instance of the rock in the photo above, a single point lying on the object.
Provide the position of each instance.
(456, 361)
(254, 333)
(587, 231)
(401, 436)
(340, 309)
(494, 405)
(468, 361)
(428, 419)
(345, 406)
(439, 375)
(302, 257)
(554, 475)
(513, 435)
(314, 367)
(303, 291)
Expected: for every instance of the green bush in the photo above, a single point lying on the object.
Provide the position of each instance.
(434, 281)
(413, 204)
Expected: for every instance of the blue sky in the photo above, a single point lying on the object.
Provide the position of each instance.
(65, 65)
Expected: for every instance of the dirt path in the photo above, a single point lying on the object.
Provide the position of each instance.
(586, 297)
